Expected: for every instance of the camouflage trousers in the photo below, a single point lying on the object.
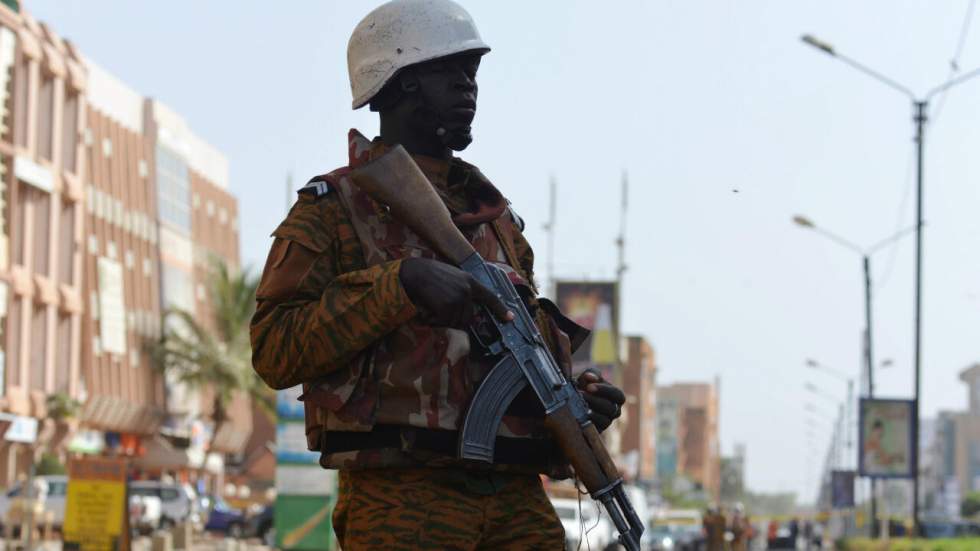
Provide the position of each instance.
(444, 509)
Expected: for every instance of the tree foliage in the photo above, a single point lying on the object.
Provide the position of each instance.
(215, 355)
(970, 505)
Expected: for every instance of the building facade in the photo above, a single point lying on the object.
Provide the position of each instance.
(111, 211)
(638, 423)
(687, 436)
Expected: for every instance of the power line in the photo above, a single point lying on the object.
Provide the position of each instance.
(900, 220)
(954, 62)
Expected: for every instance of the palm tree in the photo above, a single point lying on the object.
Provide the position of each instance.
(215, 356)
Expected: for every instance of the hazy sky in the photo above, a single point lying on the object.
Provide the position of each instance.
(727, 125)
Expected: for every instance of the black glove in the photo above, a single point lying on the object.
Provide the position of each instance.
(446, 295)
(605, 400)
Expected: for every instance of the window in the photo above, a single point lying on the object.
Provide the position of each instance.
(178, 289)
(69, 132)
(39, 338)
(21, 82)
(41, 239)
(56, 489)
(173, 190)
(45, 117)
(62, 372)
(8, 47)
(12, 335)
(66, 244)
(17, 223)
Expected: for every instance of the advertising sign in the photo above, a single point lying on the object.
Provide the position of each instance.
(593, 305)
(885, 436)
(112, 309)
(95, 509)
(842, 489)
(305, 491)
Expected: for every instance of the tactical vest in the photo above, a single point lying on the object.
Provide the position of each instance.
(402, 400)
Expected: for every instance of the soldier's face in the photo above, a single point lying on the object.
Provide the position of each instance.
(448, 90)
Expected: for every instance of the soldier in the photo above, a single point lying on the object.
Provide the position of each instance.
(357, 309)
(715, 526)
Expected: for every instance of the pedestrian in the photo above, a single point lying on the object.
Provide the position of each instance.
(715, 526)
(794, 531)
(741, 529)
(772, 533)
(359, 310)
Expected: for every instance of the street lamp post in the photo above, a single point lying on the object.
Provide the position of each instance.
(847, 414)
(865, 254)
(920, 117)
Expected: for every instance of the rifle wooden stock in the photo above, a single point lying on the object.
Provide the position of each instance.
(578, 450)
(396, 181)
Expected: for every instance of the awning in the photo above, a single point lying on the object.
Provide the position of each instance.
(160, 454)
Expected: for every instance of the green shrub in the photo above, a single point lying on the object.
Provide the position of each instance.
(49, 464)
(904, 544)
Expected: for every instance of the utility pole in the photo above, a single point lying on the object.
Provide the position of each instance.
(921, 115)
(869, 361)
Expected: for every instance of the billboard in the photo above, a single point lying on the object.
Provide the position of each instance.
(885, 437)
(842, 489)
(593, 305)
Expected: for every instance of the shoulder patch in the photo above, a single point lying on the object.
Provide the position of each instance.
(315, 188)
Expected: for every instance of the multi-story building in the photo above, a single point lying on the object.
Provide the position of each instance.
(687, 435)
(111, 208)
(638, 428)
(43, 194)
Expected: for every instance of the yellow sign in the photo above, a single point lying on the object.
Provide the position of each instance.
(95, 512)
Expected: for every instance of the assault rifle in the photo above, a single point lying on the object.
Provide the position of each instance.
(397, 182)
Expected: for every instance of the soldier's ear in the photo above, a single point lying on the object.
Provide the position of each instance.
(408, 82)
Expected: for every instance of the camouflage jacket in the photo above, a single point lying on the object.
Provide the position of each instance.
(381, 388)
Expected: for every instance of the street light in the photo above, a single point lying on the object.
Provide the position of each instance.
(921, 115)
(817, 391)
(865, 253)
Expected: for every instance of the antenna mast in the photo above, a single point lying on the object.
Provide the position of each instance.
(621, 239)
(549, 228)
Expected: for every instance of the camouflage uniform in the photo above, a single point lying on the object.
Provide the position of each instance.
(381, 388)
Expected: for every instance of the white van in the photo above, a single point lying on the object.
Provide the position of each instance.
(55, 487)
(178, 501)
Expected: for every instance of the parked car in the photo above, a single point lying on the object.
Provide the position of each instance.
(676, 537)
(677, 530)
(225, 519)
(261, 525)
(55, 488)
(178, 501)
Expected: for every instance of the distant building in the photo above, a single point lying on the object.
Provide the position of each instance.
(111, 207)
(733, 475)
(638, 425)
(687, 435)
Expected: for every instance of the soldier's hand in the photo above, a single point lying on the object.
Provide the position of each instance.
(446, 295)
(605, 400)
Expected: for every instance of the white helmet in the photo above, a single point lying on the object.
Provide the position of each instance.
(404, 32)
